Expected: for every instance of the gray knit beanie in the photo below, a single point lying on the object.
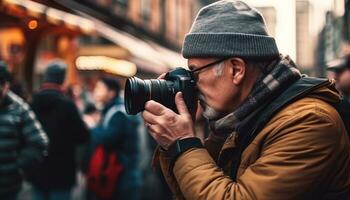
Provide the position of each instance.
(229, 28)
(55, 72)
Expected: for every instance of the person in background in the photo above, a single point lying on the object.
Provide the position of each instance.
(23, 142)
(91, 115)
(117, 132)
(80, 96)
(60, 118)
(341, 69)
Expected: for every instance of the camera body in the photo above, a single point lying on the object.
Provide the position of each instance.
(138, 92)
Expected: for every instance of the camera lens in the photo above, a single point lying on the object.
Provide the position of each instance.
(138, 92)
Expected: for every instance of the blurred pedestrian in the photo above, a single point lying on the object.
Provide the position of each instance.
(274, 133)
(80, 96)
(91, 115)
(118, 136)
(60, 118)
(23, 143)
(341, 69)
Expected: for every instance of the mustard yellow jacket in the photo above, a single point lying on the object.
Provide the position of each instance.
(302, 153)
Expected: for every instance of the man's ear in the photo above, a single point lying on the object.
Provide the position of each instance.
(238, 70)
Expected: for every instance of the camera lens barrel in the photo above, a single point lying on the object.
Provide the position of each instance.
(163, 91)
(138, 92)
(135, 95)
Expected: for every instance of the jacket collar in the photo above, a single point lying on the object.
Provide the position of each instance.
(51, 86)
(249, 128)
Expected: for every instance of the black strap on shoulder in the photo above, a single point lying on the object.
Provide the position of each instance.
(251, 127)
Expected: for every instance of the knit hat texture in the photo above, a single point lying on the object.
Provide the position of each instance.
(229, 28)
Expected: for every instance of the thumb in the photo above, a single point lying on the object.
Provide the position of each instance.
(180, 104)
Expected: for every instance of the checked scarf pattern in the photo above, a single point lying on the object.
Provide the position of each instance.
(277, 76)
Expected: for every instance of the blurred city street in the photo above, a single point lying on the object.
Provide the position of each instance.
(101, 43)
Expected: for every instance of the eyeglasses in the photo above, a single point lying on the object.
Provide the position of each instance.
(195, 72)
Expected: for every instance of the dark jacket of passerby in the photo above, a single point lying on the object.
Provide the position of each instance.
(66, 130)
(62, 122)
(23, 143)
(118, 131)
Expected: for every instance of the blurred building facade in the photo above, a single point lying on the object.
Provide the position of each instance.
(332, 39)
(346, 30)
(310, 31)
(167, 21)
(146, 32)
(305, 41)
(33, 33)
(149, 33)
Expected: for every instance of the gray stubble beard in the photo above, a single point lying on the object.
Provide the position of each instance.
(208, 112)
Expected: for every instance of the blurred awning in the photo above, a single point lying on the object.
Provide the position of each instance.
(52, 15)
(145, 52)
(148, 55)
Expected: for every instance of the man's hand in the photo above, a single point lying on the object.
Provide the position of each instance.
(165, 125)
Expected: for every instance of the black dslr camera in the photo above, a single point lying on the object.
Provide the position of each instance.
(138, 92)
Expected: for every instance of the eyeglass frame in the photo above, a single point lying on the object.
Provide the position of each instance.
(195, 75)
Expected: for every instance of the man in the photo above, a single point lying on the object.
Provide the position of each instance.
(23, 143)
(341, 69)
(117, 132)
(274, 134)
(61, 120)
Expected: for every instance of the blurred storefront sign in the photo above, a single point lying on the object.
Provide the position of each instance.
(106, 64)
(113, 51)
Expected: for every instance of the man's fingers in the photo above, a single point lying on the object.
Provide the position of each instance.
(149, 117)
(155, 130)
(180, 104)
(154, 107)
(162, 76)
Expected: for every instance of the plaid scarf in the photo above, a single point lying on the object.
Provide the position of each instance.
(278, 75)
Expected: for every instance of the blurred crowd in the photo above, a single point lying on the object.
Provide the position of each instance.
(73, 144)
(76, 144)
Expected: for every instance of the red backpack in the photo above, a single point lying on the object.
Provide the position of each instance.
(104, 167)
(103, 173)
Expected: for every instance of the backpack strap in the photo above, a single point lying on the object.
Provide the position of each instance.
(246, 132)
(111, 112)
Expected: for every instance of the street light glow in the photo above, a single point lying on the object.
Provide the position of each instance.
(33, 24)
